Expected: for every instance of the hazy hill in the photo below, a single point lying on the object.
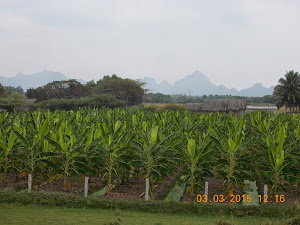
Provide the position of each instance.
(194, 84)
(32, 81)
(199, 84)
(257, 90)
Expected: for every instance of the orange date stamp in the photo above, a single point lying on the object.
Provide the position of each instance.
(240, 198)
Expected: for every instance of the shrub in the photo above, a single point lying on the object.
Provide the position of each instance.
(71, 201)
(98, 101)
(295, 221)
(175, 107)
(162, 107)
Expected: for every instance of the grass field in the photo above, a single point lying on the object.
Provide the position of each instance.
(12, 214)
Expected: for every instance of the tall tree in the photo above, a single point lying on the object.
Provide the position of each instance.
(124, 89)
(11, 100)
(2, 91)
(18, 89)
(287, 92)
(59, 89)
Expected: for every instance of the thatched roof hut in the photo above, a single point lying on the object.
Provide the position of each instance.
(196, 107)
(226, 105)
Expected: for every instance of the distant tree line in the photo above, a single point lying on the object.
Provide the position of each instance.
(183, 99)
(113, 91)
(110, 91)
(11, 97)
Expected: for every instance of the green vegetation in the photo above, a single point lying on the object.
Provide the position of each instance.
(69, 95)
(97, 100)
(11, 98)
(70, 201)
(287, 92)
(11, 214)
(232, 151)
(175, 193)
(195, 160)
(118, 144)
(276, 148)
(183, 99)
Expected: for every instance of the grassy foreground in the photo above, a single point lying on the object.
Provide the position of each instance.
(196, 209)
(15, 214)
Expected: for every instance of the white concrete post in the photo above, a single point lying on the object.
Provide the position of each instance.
(29, 182)
(265, 192)
(147, 190)
(206, 189)
(86, 186)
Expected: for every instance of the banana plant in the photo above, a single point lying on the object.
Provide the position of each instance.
(276, 142)
(111, 150)
(230, 141)
(187, 123)
(69, 147)
(153, 156)
(7, 143)
(197, 163)
(31, 136)
(279, 144)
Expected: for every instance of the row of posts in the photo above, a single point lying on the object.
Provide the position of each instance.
(86, 187)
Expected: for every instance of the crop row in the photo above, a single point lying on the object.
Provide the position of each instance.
(119, 144)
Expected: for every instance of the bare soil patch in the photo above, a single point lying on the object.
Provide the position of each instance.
(136, 189)
(19, 182)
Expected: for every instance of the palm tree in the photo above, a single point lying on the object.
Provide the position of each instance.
(287, 92)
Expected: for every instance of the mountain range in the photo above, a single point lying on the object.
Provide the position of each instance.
(199, 84)
(34, 80)
(194, 84)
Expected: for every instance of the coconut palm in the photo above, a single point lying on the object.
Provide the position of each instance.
(287, 92)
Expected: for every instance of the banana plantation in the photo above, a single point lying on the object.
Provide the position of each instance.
(117, 147)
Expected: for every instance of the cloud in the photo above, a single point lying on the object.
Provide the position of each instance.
(234, 42)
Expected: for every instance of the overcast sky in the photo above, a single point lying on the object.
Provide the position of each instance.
(234, 42)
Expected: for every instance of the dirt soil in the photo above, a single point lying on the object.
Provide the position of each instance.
(136, 190)
(74, 186)
(14, 182)
(20, 182)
